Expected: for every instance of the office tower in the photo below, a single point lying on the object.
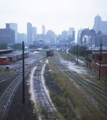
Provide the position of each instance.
(7, 35)
(34, 33)
(29, 33)
(13, 26)
(22, 37)
(51, 36)
(100, 25)
(79, 36)
(71, 34)
(97, 22)
(43, 29)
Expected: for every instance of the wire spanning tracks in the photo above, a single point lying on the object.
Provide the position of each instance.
(46, 109)
(99, 93)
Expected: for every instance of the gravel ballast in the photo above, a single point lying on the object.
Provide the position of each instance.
(19, 111)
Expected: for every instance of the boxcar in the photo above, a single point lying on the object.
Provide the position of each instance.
(3, 60)
(49, 53)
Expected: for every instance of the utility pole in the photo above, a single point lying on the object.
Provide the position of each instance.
(77, 53)
(100, 60)
(23, 74)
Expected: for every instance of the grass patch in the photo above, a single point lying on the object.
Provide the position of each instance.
(3, 72)
(67, 56)
(72, 99)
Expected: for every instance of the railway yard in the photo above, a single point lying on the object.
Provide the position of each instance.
(52, 91)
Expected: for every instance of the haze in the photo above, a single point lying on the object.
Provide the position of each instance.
(56, 15)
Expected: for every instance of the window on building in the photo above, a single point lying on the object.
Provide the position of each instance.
(93, 57)
(98, 58)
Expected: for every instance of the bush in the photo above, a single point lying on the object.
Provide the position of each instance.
(81, 50)
(3, 45)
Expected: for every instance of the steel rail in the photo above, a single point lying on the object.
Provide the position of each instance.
(76, 78)
(42, 97)
(84, 81)
(27, 70)
(12, 92)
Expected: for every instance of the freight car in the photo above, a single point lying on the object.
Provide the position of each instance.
(49, 53)
(3, 60)
(12, 57)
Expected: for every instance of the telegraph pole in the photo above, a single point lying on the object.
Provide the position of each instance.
(77, 53)
(100, 60)
(23, 74)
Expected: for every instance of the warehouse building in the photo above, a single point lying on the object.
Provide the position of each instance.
(12, 57)
(96, 63)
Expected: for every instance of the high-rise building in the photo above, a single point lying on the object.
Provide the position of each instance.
(104, 27)
(7, 35)
(100, 25)
(71, 30)
(51, 37)
(71, 34)
(88, 38)
(29, 33)
(34, 33)
(79, 36)
(13, 26)
(67, 37)
(97, 22)
(22, 37)
(64, 35)
(43, 29)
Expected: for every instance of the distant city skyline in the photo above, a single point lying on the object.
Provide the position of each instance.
(56, 15)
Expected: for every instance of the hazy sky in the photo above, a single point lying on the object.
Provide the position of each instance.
(56, 15)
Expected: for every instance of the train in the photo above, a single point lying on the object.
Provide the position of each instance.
(49, 53)
(12, 57)
(3, 60)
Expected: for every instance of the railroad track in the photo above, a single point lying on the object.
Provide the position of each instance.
(46, 109)
(97, 92)
(2, 79)
(5, 81)
(7, 95)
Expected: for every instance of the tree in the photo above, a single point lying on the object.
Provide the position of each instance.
(17, 46)
(81, 50)
(3, 45)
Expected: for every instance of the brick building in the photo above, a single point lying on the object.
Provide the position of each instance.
(7, 35)
(96, 63)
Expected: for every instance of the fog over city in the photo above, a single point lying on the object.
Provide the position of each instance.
(56, 15)
(53, 59)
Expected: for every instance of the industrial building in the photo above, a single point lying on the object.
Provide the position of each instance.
(96, 63)
(93, 61)
(12, 56)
